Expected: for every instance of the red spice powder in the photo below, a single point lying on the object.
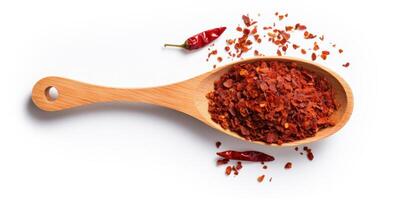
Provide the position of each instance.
(257, 99)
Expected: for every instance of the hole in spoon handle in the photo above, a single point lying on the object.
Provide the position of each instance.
(56, 93)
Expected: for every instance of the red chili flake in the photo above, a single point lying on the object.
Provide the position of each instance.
(219, 59)
(310, 155)
(214, 66)
(334, 45)
(254, 30)
(263, 96)
(246, 31)
(256, 53)
(235, 171)
(286, 15)
(227, 48)
(281, 17)
(218, 144)
(230, 41)
(313, 56)
(289, 28)
(278, 52)
(303, 51)
(340, 50)
(239, 29)
(239, 165)
(325, 52)
(346, 64)
(276, 13)
(308, 35)
(295, 46)
(246, 20)
(316, 47)
(228, 170)
(222, 161)
(260, 178)
(296, 148)
(265, 167)
(300, 27)
(288, 165)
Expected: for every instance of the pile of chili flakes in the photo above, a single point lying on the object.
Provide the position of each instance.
(274, 102)
(280, 37)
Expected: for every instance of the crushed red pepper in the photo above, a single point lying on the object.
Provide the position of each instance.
(222, 161)
(280, 35)
(218, 144)
(288, 165)
(261, 178)
(274, 102)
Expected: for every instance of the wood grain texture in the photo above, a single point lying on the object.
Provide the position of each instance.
(187, 96)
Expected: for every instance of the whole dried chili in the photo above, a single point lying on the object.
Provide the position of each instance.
(254, 156)
(200, 40)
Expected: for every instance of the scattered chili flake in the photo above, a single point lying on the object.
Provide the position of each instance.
(222, 161)
(219, 59)
(296, 148)
(316, 47)
(346, 64)
(313, 56)
(264, 94)
(265, 167)
(295, 46)
(239, 29)
(260, 178)
(303, 51)
(270, 179)
(340, 50)
(278, 52)
(310, 156)
(288, 165)
(227, 48)
(235, 171)
(228, 170)
(218, 144)
(239, 165)
(300, 27)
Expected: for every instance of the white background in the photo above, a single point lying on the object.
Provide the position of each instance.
(135, 151)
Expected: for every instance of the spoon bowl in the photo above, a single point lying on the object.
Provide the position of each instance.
(187, 96)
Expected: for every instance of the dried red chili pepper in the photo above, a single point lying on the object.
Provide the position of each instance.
(254, 156)
(200, 40)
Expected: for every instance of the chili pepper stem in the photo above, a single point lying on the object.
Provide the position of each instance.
(176, 45)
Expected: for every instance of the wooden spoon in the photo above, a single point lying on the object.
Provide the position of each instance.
(187, 96)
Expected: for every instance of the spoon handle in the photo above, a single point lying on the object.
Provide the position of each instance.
(74, 93)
